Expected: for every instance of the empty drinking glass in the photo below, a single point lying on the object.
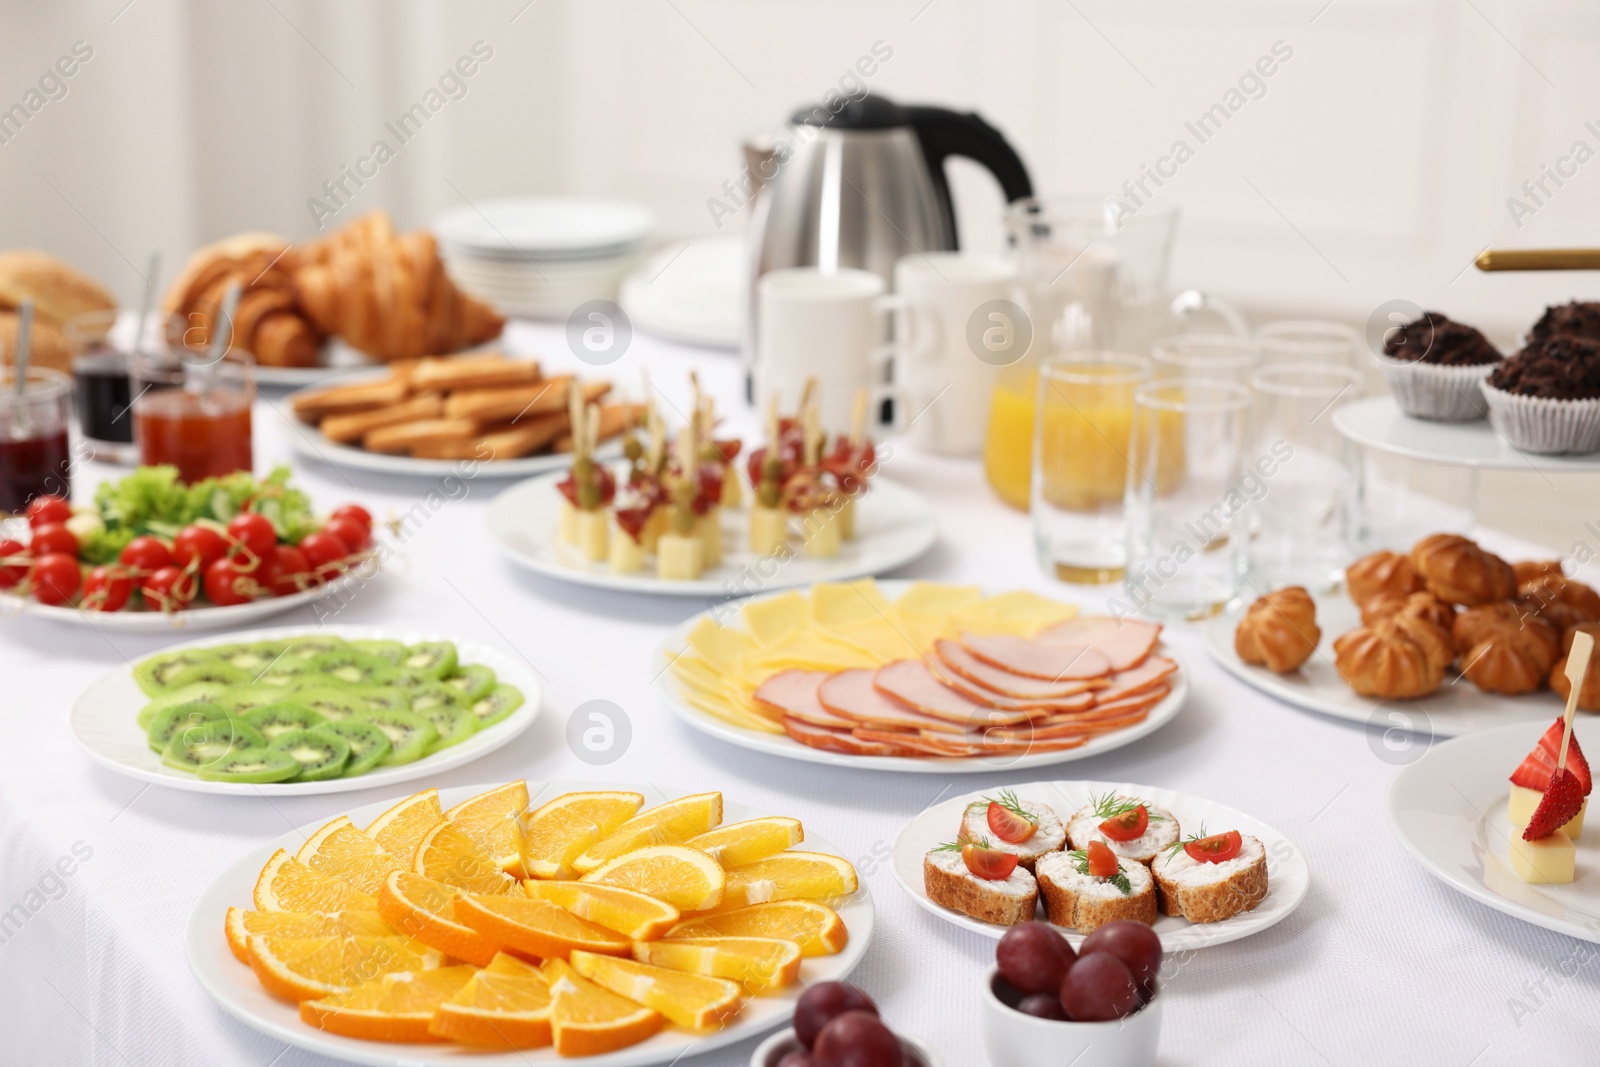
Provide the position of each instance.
(1187, 512)
(1223, 357)
(1310, 341)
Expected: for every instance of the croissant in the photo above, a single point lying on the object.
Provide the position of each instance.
(1504, 650)
(1557, 599)
(1393, 659)
(1589, 692)
(1422, 605)
(267, 323)
(1381, 574)
(1279, 632)
(1457, 571)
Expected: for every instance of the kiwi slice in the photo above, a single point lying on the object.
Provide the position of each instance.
(499, 702)
(355, 667)
(320, 754)
(254, 765)
(472, 681)
(251, 658)
(198, 693)
(333, 702)
(155, 675)
(209, 671)
(410, 735)
(202, 745)
(429, 695)
(393, 651)
(173, 720)
(309, 646)
(455, 723)
(280, 718)
(410, 679)
(384, 697)
(434, 658)
(241, 698)
(369, 745)
(282, 675)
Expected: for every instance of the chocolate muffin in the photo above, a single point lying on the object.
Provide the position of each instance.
(1546, 398)
(1577, 319)
(1434, 365)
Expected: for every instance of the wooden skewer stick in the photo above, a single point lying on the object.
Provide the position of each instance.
(1577, 668)
(858, 419)
(772, 421)
(1539, 259)
(806, 395)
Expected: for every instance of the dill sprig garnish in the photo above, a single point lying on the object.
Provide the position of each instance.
(1080, 860)
(1111, 805)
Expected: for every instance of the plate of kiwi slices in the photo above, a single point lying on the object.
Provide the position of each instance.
(296, 711)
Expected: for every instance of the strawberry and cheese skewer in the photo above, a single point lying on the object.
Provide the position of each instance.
(813, 499)
(850, 462)
(680, 551)
(769, 519)
(588, 489)
(1545, 852)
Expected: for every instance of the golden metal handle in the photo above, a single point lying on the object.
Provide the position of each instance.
(1540, 259)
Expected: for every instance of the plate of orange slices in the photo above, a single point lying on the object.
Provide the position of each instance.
(529, 923)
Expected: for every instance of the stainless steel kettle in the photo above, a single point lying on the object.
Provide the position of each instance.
(862, 184)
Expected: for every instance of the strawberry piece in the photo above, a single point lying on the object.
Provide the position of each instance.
(1102, 861)
(1561, 802)
(1534, 771)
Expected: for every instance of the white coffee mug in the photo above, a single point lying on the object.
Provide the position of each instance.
(946, 306)
(823, 325)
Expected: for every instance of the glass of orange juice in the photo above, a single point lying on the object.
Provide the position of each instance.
(1082, 419)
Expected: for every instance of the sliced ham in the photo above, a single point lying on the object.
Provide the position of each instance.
(913, 683)
(986, 677)
(793, 693)
(851, 695)
(1148, 699)
(840, 741)
(1048, 660)
(923, 744)
(1124, 642)
(1146, 676)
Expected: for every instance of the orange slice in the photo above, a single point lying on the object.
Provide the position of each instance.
(690, 1000)
(286, 884)
(425, 909)
(535, 927)
(448, 855)
(761, 963)
(631, 914)
(240, 924)
(586, 1019)
(665, 824)
(816, 928)
(560, 831)
(391, 1007)
(494, 822)
(686, 878)
(339, 850)
(303, 968)
(745, 842)
(399, 830)
(787, 876)
(505, 1005)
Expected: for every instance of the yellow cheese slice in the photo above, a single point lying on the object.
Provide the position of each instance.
(842, 603)
(725, 712)
(936, 598)
(1019, 612)
(725, 647)
(808, 650)
(884, 640)
(776, 618)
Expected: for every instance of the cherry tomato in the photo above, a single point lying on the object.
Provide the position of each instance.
(52, 538)
(107, 588)
(169, 589)
(288, 572)
(200, 543)
(1217, 848)
(355, 513)
(226, 584)
(146, 555)
(990, 864)
(56, 577)
(324, 550)
(1009, 826)
(11, 574)
(1102, 861)
(44, 510)
(253, 534)
(355, 536)
(1127, 826)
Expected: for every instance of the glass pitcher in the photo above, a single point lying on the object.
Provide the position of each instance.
(1091, 275)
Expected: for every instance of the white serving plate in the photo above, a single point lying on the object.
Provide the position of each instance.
(234, 987)
(894, 525)
(1448, 810)
(104, 727)
(1456, 707)
(1378, 422)
(543, 227)
(666, 687)
(1288, 877)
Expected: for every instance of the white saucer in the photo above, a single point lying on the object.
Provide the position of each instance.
(1378, 422)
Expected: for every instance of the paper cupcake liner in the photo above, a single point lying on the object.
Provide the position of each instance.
(1539, 424)
(1432, 391)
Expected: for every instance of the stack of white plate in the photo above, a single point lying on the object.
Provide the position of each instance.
(692, 292)
(540, 257)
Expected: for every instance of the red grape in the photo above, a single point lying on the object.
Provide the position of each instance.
(821, 1002)
(1099, 988)
(797, 1058)
(1135, 944)
(1034, 958)
(1042, 1006)
(857, 1039)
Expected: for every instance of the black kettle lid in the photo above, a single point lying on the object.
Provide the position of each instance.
(873, 112)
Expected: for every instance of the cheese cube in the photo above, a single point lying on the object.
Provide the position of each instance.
(569, 523)
(592, 530)
(847, 519)
(627, 555)
(732, 487)
(1547, 861)
(769, 530)
(708, 528)
(823, 533)
(1525, 801)
(654, 527)
(680, 557)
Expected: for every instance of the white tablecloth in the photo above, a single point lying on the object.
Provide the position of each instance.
(1381, 964)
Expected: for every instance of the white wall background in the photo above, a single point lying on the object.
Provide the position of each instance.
(1377, 164)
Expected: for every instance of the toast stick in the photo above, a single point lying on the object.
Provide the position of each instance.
(1577, 668)
(342, 399)
(354, 426)
(407, 435)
